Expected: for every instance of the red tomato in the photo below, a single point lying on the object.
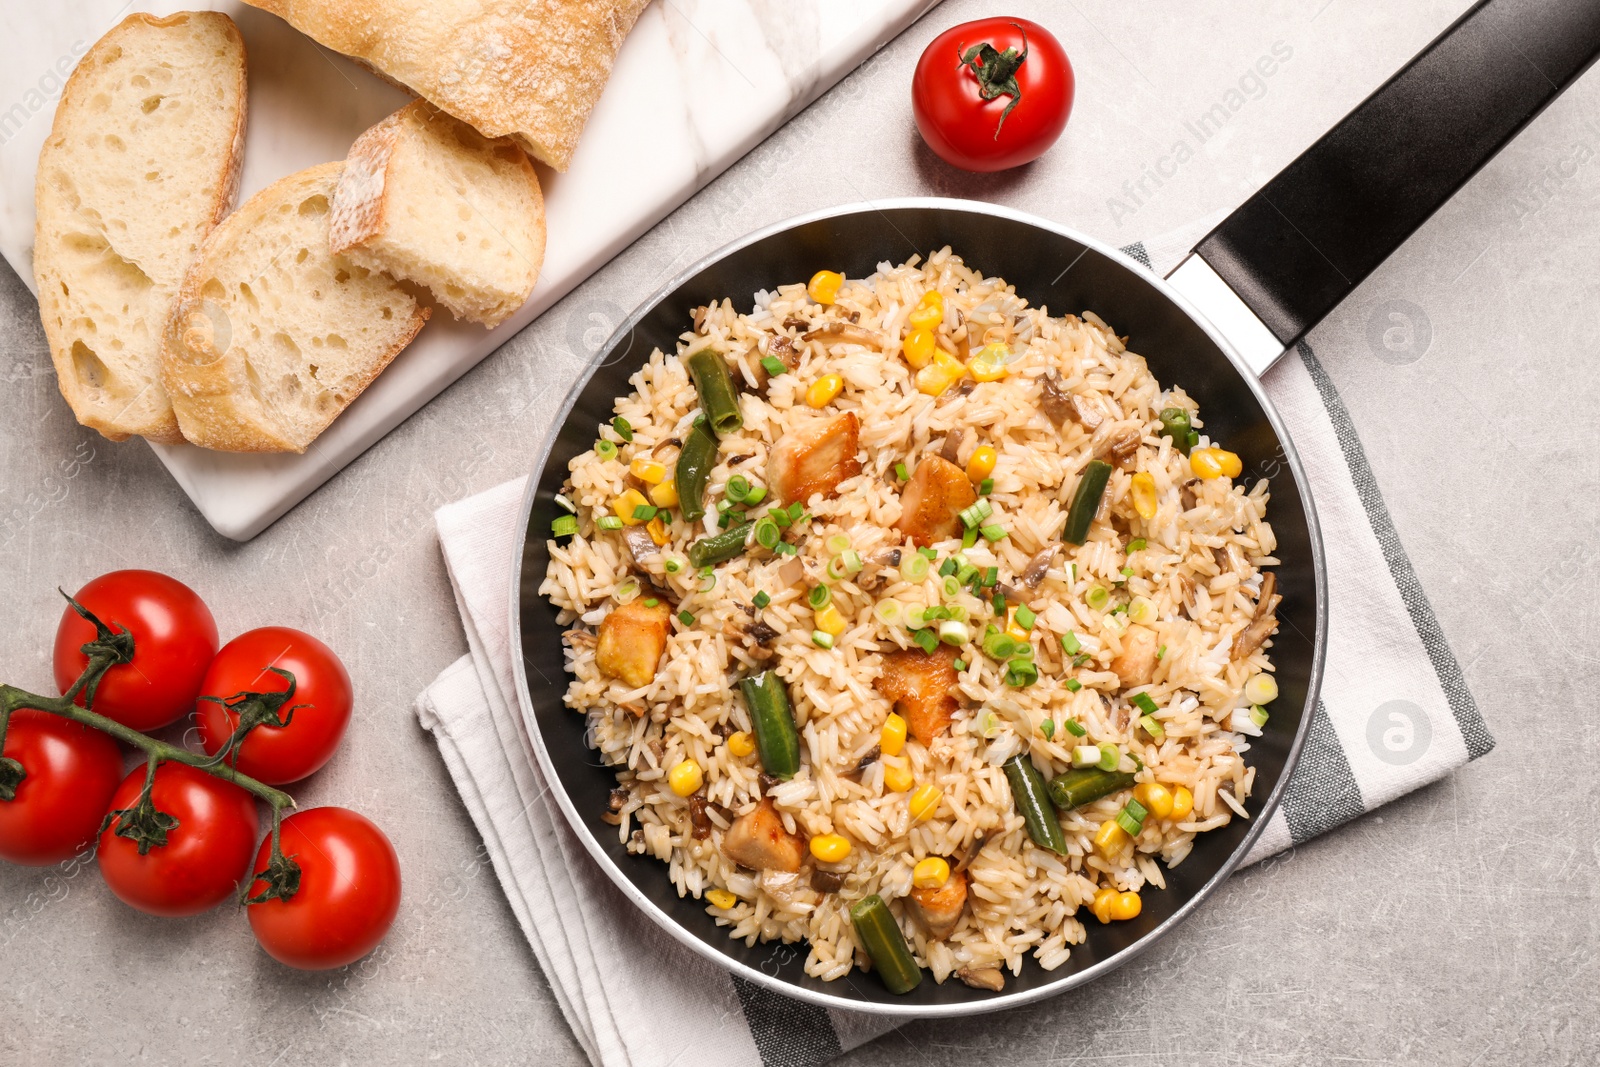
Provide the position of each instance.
(174, 638)
(974, 133)
(71, 773)
(278, 754)
(206, 855)
(349, 891)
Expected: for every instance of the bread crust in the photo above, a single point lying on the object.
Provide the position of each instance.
(162, 424)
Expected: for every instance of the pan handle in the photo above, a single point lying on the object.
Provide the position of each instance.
(1314, 232)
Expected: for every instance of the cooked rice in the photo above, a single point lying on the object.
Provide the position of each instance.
(1022, 898)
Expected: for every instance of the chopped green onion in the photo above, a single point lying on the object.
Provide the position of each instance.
(1261, 689)
(738, 488)
(993, 532)
(946, 568)
(626, 590)
(927, 640)
(1145, 704)
(756, 495)
(767, 533)
(608, 522)
(846, 564)
(986, 487)
(837, 544)
(966, 574)
(915, 618)
(900, 473)
(686, 617)
(1127, 572)
(1086, 756)
(708, 582)
(988, 723)
(819, 596)
(954, 633)
(1120, 609)
(821, 639)
(914, 566)
(991, 576)
(1137, 544)
(1074, 727)
(951, 585)
(644, 512)
(773, 365)
(889, 611)
(1152, 727)
(1048, 728)
(565, 503)
(974, 515)
(999, 603)
(956, 612)
(1025, 617)
(1097, 597)
(1080, 659)
(564, 526)
(1161, 653)
(797, 511)
(1069, 643)
(969, 538)
(784, 548)
(1131, 818)
(1021, 673)
(761, 599)
(652, 603)
(780, 516)
(959, 665)
(1258, 715)
(1073, 685)
(1176, 425)
(605, 449)
(928, 554)
(1110, 756)
(999, 646)
(935, 612)
(623, 427)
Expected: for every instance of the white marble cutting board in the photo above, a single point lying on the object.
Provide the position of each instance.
(698, 84)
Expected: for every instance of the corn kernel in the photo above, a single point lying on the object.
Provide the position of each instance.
(991, 362)
(721, 898)
(823, 390)
(1103, 901)
(1215, 463)
(658, 531)
(830, 848)
(624, 505)
(1110, 839)
(929, 312)
(892, 738)
(829, 621)
(741, 745)
(925, 801)
(930, 873)
(1143, 491)
(898, 778)
(648, 470)
(918, 348)
(686, 778)
(664, 495)
(824, 286)
(981, 465)
(1182, 803)
(1126, 906)
(941, 374)
(1156, 798)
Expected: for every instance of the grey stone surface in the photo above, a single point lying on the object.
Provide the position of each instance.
(1458, 926)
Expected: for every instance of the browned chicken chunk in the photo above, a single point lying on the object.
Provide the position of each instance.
(922, 688)
(931, 503)
(1136, 664)
(815, 458)
(940, 909)
(632, 639)
(759, 841)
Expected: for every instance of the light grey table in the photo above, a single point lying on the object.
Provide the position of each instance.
(1458, 926)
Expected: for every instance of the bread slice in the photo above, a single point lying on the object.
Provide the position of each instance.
(272, 336)
(529, 69)
(431, 200)
(141, 163)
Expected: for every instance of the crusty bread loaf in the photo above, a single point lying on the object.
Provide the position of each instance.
(141, 163)
(272, 335)
(529, 69)
(429, 199)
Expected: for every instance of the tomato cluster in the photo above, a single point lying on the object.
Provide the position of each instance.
(203, 844)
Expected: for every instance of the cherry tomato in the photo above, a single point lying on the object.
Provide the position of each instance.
(71, 771)
(174, 638)
(206, 855)
(349, 891)
(1027, 105)
(273, 754)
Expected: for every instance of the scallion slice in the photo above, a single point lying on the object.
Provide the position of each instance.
(773, 365)
(1069, 643)
(1258, 715)
(959, 665)
(974, 515)
(999, 646)
(948, 567)
(951, 585)
(991, 576)
(822, 639)
(900, 473)
(927, 640)
(913, 566)
(1025, 617)
(644, 512)
(738, 488)
(608, 522)
(767, 533)
(993, 532)
(1074, 727)
(954, 633)
(605, 449)
(761, 599)
(1110, 756)
(623, 427)
(928, 554)
(819, 596)
(564, 526)
(1152, 727)
(1048, 728)
(986, 487)
(1137, 544)
(1144, 703)
(1021, 672)
(969, 538)
(1073, 685)
(1084, 756)
(686, 617)
(673, 565)
(1097, 597)
(889, 611)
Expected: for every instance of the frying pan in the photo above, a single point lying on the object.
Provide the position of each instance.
(1249, 291)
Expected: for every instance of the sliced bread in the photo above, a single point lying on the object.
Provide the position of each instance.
(431, 200)
(272, 336)
(141, 163)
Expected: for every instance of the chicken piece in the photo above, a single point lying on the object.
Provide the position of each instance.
(815, 458)
(940, 909)
(922, 688)
(990, 978)
(632, 639)
(1136, 664)
(931, 503)
(758, 840)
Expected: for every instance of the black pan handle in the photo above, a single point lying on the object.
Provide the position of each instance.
(1314, 232)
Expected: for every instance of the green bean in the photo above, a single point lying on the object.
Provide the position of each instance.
(1076, 788)
(1034, 805)
(720, 547)
(772, 721)
(1086, 501)
(1175, 424)
(880, 935)
(695, 460)
(719, 400)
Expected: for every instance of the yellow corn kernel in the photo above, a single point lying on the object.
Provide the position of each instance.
(824, 286)
(1215, 463)
(829, 621)
(1143, 491)
(1182, 803)
(823, 390)
(648, 470)
(624, 505)
(981, 465)
(830, 848)
(925, 801)
(658, 531)
(892, 738)
(930, 873)
(1156, 798)
(686, 778)
(941, 374)
(1126, 906)
(929, 312)
(741, 745)
(664, 495)
(721, 898)
(898, 778)
(918, 347)
(991, 362)
(1110, 838)
(1103, 902)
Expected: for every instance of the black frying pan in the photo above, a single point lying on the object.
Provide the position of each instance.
(1252, 288)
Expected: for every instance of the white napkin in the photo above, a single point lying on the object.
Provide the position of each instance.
(1394, 715)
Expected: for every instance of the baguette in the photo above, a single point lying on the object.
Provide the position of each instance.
(429, 199)
(141, 164)
(272, 336)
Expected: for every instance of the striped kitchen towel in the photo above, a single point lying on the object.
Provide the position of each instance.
(1394, 715)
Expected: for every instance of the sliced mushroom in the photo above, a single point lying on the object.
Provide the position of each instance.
(1263, 624)
(1039, 566)
(990, 978)
(614, 805)
(1120, 443)
(758, 840)
(931, 503)
(1229, 559)
(979, 839)
(940, 909)
(826, 881)
(815, 458)
(793, 323)
(1190, 603)
(632, 639)
(922, 688)
(951, 451)
(1055, 401)
(869, 759)
(640, 544)
(842, 333)
(1136, 663)
(698, 819)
